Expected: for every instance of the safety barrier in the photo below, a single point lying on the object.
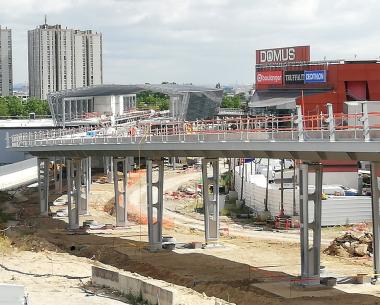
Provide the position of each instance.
(331, 127)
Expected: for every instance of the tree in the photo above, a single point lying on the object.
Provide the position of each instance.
(153, 100)
(3, 107)
(230, 101)
(15, 106)
(37, 106)
(236, 101)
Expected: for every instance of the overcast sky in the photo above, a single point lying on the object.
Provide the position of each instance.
(199, 41)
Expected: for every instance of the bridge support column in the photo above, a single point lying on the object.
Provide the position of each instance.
(211, 199)
(120, 191)
(58, 175)
(108, 168)
(375, 185)
(73, 191)
(43, 185)
(310, 250)
(155, 203)
(55, 174)
(84, 190)
(89, 176)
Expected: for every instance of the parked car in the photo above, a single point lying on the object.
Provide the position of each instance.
(336, 190)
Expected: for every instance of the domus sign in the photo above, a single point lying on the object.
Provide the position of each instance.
(279, 55)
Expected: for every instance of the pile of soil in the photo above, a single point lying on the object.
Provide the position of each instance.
(187, 190)
(351, 245)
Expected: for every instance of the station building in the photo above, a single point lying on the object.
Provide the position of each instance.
(90, 105)
(286, 77)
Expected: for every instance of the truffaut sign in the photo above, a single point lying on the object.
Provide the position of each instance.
(269, 77)
(280, 55)
(294, 77)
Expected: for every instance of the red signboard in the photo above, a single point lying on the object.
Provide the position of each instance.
(278, 55)
(269, 77)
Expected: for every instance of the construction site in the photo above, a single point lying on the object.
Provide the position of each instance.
(174, 208)
(252, 263)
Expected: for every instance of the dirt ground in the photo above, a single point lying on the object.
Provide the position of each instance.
(229, 272)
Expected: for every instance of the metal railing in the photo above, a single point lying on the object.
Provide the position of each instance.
(323, 127)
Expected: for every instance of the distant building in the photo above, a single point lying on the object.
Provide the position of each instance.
(22, 95)
(6, 77)
(86, 105)
(61, 59)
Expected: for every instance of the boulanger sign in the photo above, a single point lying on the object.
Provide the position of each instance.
(269, 77)
(279, 55)
(317, 76)
(294, 77)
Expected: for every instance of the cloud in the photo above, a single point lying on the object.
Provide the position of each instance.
(199, 41)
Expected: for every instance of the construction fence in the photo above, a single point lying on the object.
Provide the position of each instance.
(336, 210)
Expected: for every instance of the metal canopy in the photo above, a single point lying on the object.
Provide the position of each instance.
(279, 103)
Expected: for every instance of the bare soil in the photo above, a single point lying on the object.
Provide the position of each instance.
(228, 272)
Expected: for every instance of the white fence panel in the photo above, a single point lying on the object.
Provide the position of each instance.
(336, 210)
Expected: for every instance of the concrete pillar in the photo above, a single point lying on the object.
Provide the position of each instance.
(58, 175)
(310, 245)
(43, 184)
(55, 174)
(375, 185)
(108, 168)
(211, 199)
(73, 192)
(84, 192)
(120, 191)
(89, 176)
(121, 104)
(155, 206)
(63, 112)
(70, 112)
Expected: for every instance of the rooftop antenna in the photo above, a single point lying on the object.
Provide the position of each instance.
(45, 19)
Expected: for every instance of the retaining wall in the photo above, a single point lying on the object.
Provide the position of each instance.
(151, 290)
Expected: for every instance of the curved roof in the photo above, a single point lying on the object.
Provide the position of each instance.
(104, 90)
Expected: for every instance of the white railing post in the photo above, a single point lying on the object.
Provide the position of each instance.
(299, 122)
(330, 120)
(365, 121)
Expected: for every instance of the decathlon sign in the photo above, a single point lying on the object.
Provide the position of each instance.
(269, 77)
(317, 76)
(278, 55)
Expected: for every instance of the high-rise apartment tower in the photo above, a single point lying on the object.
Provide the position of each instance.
(6, 77)
(62, 59)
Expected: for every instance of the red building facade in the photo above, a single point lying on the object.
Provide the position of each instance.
(290, 69)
